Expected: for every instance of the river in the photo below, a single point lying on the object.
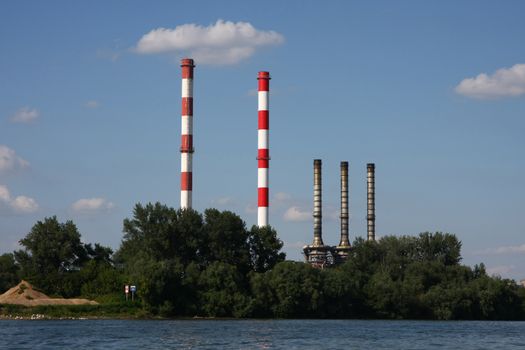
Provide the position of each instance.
(260, 334)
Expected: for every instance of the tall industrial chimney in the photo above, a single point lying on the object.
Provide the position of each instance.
(263, 154)
(344, 206)
(371, 214)
(318, 210)
(186, 148)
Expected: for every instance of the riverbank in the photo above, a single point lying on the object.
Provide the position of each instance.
(128, 310)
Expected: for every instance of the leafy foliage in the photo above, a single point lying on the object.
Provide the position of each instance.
(185, 263)
(55, 259)
(8, 272)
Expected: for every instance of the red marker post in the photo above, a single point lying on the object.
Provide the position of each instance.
(126, 290)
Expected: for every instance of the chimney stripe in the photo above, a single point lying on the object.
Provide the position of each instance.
(263, 152)
(318, 206)
(344, 242)
(186, 149)
(370, 190)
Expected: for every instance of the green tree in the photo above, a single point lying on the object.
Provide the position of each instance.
(8, 272)
(159, 232)
(52, 255)
(343, 297)
(443, 247)
(264, 248)
(226, 239)
(223, 292)
(290, 289)
(498, 299)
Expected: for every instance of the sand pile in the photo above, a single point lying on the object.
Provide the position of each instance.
(24, 294)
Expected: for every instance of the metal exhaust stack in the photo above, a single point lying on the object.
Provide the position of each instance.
(344, 206)
(186, 148)
(263, 153)
(371, 215)
(318, 210)
(342, 251)
(317, 254)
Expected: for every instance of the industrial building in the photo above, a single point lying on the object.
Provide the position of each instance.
(317, 254)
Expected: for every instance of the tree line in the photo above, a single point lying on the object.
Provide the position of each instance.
(185, 263)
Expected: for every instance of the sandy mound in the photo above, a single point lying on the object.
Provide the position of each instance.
(24, 294)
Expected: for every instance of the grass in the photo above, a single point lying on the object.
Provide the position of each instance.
(125, 310)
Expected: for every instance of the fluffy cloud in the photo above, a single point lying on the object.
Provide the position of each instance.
(91, 205)
(19, 204)
(4, 194)
(23, 204)
(25, 115)
(503, 83)
(297, 214)
(9, 160)
(224, 42)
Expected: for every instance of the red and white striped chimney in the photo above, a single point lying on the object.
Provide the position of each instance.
(263, 154)
(186, 148)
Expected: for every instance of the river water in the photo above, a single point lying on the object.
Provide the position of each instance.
(260, 334)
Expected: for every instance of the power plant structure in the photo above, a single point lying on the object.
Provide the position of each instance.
(317, 254)
(343, 249)
(186, 147)
(371, 202)
(263, 152)
(320, 255)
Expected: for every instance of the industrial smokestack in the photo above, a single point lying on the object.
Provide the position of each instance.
(371, 211)
(186, 148)
(344, 205)
(318, 210)
(263, 154)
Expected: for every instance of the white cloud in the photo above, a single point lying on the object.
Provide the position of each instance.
(92, 104)
(9, 160)
(503, 83)
(224, 42)
(297, 214)
(20, 204)
(5, 196)
(25, 115)
(91, 205)
(23, 204)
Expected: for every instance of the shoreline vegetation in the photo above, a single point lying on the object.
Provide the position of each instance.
(188, 265)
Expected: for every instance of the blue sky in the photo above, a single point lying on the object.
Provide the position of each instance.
(432, 92)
